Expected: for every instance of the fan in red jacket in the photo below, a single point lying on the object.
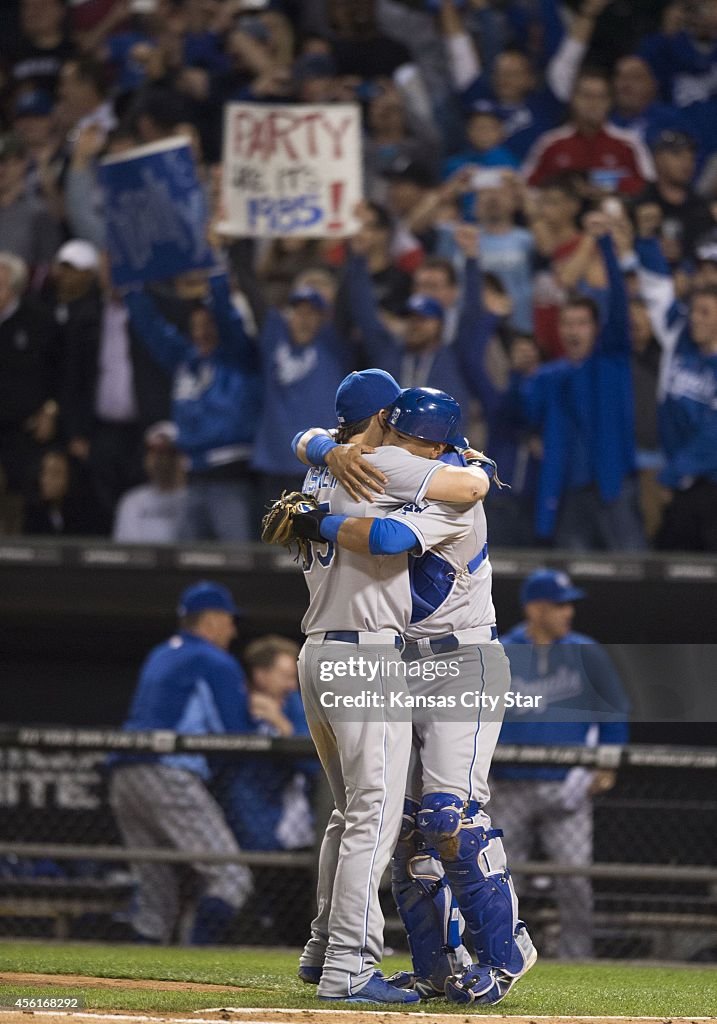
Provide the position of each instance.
(614, 160)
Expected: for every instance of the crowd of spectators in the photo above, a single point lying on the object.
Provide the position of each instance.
(538, 237)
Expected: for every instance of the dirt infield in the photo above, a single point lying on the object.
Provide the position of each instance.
(264, 1016)
(82, 981)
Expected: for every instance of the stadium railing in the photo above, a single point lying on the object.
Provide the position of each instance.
(651, 871)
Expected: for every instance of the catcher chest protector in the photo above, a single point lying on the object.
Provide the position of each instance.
(428, 911)
(474, 862)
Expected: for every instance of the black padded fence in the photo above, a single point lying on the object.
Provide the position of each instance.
(642, 876)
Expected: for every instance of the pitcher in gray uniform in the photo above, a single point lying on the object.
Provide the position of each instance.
(364, 602)
(447, 785)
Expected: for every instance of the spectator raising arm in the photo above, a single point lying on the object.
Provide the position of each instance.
(380, 344)
(667, 317)
(564, 65)
(166, 343)
(233, 338)
(615, 334)
(476, 325)
(463, 60)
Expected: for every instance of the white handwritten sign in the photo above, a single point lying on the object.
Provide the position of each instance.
(156, 212)
(291, 170)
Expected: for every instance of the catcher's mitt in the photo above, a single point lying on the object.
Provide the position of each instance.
(277, 524)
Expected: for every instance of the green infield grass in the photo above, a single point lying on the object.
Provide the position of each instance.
(267, 978)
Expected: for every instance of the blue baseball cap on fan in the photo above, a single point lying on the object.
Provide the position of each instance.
(363, 393)
(36, 103)
(550, 585)
(206, 596)
(310, 295)
(424, 305)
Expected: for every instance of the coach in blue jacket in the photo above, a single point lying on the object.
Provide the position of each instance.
(191, 685)
(583, 405)
(581, 702)
(216, 399)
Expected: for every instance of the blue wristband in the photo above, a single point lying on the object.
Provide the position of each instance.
(318, 448)
(330, 526)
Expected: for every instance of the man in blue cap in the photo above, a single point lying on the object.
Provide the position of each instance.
(418, 357)
(303, 358)
(190, 684)
(567, 693)
(360, 397)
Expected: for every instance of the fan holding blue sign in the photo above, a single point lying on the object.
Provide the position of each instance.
(156, 213)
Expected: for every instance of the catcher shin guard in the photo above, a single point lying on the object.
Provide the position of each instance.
(490, 985)
(428, 911)
(474, 862)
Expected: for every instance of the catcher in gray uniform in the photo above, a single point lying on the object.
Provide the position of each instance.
(364, 602)
(447, 783)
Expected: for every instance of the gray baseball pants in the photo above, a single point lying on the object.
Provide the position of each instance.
(156, 805)
(366, 762)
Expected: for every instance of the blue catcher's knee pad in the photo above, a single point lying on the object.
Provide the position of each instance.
(439, 817)
(474, 862)
(426, 907)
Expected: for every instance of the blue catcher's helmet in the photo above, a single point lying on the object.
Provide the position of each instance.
(428, 414)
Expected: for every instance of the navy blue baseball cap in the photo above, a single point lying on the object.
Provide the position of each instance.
(310, 295)
(314, 65)
(36, 103)
(550, 585)
(206, 596)
(424, 305)
(363, 393)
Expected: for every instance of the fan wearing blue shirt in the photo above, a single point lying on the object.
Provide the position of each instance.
(581, 702)
(191, 685)
(266, 800)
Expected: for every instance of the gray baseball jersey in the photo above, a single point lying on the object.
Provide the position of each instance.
(465, 600)
(370, 594)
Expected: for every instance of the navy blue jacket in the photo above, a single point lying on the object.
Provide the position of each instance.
(581, 696)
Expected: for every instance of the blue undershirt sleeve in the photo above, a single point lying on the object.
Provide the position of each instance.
(388, 537)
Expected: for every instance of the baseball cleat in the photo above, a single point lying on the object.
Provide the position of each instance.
(408, 981)
(485, 986)
(310, 975)
(377, 990)
(402, 979)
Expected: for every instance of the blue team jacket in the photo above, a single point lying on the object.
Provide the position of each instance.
(251, 791)
(585, 411)
(687, 413)
(216, 399)
(296, 380)
(192, 687)
(581, 691)
(443, 368)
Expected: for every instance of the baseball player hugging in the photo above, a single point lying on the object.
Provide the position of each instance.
(398, 545)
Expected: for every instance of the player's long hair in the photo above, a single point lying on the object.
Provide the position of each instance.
(349, 430)
(344, 434)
